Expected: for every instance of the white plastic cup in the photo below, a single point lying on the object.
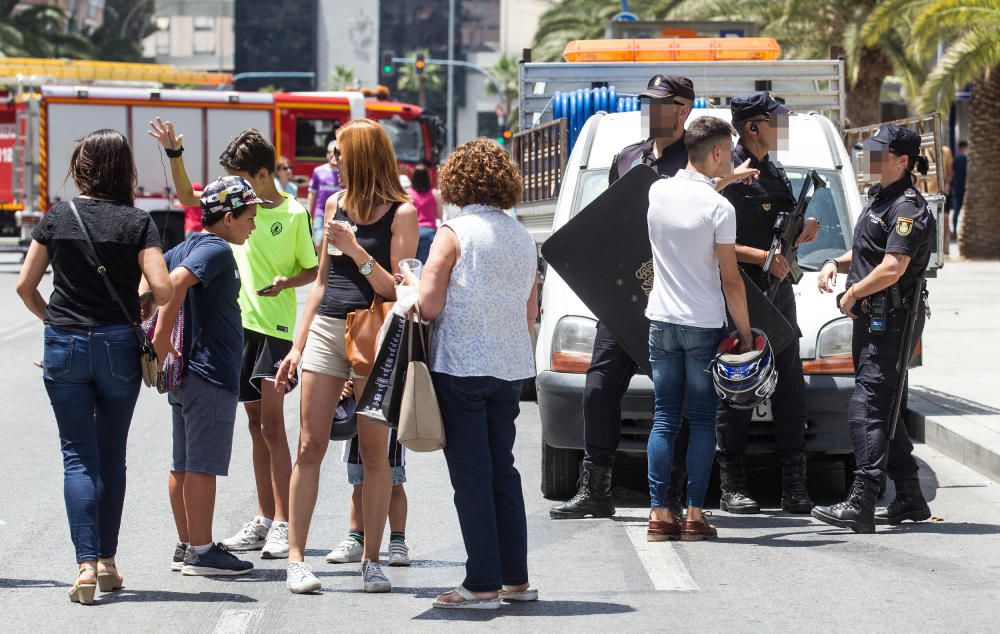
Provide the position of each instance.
(330, 247)
(412, 266)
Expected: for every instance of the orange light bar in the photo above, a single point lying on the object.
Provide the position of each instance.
(571, 362)
(834, 364)
(697, 49)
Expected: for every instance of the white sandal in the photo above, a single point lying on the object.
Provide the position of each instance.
(471, 602)
(521, 596)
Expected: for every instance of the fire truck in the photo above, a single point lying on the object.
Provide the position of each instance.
(39, 123)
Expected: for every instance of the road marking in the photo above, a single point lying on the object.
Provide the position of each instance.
(661, 561)
(234, 621)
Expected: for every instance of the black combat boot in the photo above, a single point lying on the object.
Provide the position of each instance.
(794, 493)
(735, 497)
(857, 512)
(593, 497)
(909, 504)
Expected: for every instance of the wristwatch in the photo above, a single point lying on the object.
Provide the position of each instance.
(367, 268)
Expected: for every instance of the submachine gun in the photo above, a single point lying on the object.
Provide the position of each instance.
(787, 227)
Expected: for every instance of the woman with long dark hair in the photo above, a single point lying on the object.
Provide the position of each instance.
(430, 210)
(91, 363)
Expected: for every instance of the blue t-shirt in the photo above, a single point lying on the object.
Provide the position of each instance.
(211, 308)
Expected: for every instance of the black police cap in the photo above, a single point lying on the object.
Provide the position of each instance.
(756, 104)
(902, 141)
(666, 86)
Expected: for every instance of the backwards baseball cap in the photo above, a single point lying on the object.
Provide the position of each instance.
(226, 194)
(744, 107)
(667, 86)
(902, 141)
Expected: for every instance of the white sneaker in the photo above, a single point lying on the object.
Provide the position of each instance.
(349, 551)
(251, 537)
(276, 544)
(399, 553)
(373, 577)
(301, 578)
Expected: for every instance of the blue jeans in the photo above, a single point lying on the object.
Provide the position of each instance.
(92, 376)
(680, 356)
(424, 243)
(479, 414)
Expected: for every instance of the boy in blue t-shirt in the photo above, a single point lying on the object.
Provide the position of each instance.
(205, 279)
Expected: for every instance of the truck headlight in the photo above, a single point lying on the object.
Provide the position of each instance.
(833, 349)
(573, 344)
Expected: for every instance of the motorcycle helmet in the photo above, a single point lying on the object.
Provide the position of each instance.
(744, 381)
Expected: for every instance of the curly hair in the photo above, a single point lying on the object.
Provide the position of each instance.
(480, 172)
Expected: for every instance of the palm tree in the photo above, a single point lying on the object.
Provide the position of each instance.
(410, 80)
(39, 31)
(126, 23)
(505, 74)
(342, 77)
(972, 55)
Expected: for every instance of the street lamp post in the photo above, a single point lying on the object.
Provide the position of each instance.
(451, 76)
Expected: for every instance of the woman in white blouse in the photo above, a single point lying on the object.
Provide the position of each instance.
(479, 286)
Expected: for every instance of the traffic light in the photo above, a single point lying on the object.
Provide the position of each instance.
(387, 64)
(420, 64)
(504, 137)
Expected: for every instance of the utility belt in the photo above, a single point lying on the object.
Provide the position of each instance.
(886, 306)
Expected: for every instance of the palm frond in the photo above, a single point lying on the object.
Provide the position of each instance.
(973, 54)
(945, 18)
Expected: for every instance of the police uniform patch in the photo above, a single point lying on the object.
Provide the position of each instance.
(766, 206)
(904, 226)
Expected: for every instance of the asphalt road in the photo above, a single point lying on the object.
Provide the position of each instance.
(768, 572)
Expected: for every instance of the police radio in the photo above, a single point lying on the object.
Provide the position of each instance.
(877, 313)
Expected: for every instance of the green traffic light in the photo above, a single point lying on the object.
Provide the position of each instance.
(501, 140)
(387, 69)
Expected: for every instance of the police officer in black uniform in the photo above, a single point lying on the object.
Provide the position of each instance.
(759, 120)
(669, 100)
(892, 246)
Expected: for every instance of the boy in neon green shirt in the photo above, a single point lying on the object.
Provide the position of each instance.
(278, 257)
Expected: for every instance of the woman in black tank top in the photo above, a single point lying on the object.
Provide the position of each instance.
(386, 232)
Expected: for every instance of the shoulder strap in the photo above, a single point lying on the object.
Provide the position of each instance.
(103, 272)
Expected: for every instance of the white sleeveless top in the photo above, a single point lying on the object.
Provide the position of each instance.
(483, 329)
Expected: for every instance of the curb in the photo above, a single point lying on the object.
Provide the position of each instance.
(965, 431)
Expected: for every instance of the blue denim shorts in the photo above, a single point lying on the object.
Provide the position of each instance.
(356, 474)
(204, 417)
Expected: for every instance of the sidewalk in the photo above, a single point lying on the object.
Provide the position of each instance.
(954, 403)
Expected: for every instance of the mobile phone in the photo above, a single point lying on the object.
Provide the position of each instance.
(261, 291)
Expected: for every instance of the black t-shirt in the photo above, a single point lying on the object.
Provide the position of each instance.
(758, 204)
(346, 288)
(672, 158)
(119, 232)
(894, 220)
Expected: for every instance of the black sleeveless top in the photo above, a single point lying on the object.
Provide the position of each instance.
(346, 288)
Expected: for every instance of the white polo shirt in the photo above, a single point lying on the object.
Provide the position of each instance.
(687, 218)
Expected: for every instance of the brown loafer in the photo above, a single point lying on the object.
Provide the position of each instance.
(662, 531)
(695, 531)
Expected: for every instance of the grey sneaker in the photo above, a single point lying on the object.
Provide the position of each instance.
(399, 553)
(178, 561)
(375, 580)
(276, 544)
(252, 536)
(347, 552)
(218, 561)
(301, 578)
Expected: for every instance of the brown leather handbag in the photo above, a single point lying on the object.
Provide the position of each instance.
(361, 334)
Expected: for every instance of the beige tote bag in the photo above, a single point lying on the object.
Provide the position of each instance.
(420, 424)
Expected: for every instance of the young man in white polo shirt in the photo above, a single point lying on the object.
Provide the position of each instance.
(692, 230)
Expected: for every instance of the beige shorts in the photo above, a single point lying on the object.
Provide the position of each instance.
(325, 351)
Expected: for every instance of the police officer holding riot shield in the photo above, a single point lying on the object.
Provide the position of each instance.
(886, 299)
(666, 103)
(762, 126)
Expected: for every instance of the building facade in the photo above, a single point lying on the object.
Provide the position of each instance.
(195, 34)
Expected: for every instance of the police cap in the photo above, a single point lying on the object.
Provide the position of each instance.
(667, 86)
(902, 141)
(744, 107)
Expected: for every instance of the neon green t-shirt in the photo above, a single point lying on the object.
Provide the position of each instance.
(280, 245)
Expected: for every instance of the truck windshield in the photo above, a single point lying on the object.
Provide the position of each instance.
(828, 206)
(407, 138)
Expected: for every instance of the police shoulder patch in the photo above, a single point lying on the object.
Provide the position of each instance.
(904, 226)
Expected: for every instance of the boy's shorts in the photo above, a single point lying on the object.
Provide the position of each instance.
(356, 474)
(262, 356)
(204, 416)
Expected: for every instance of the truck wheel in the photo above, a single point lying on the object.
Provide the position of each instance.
(560, 471)
(529, 390)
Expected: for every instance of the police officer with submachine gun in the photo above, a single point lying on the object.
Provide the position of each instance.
(887, 299)
(770, 224)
